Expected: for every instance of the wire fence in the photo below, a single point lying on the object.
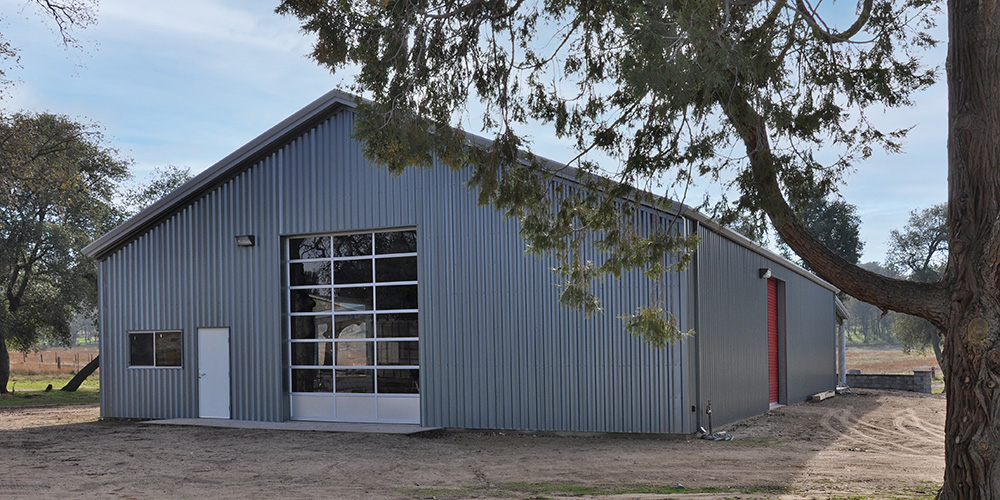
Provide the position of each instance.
(51, 361)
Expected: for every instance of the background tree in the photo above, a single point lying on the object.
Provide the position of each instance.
(57, 183)
(133, 200)
(676, 90)
(868, 323)
(832, 221)
(67, 15)
(140, 195)
(919, 252)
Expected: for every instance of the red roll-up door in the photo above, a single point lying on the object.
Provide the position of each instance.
(772, 338)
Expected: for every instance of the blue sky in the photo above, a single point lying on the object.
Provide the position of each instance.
(186, 82)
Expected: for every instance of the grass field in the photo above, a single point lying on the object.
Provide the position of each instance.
(38, 381)
(32, 372)
(54, 397)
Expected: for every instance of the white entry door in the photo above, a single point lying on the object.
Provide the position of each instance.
(213, 372)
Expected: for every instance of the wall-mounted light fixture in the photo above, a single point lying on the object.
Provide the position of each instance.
(244, 240)
(765, 273)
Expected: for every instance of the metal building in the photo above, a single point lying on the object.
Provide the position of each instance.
(294, 280)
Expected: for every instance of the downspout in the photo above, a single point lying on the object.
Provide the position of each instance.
(696, 272)
(843, 354)
(842, 317)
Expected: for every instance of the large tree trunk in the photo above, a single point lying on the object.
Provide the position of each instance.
(971, 352)
(82, 375)
(972, 469)
(4, 365)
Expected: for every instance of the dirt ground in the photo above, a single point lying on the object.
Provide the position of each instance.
(869, 443)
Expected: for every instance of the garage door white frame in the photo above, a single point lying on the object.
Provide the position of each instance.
(351, 334)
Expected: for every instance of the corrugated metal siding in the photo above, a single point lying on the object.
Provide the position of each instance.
(501, 353)
(733, 331)
(496, 349)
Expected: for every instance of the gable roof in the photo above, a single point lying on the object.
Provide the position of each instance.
(304, 119)
(223, 170)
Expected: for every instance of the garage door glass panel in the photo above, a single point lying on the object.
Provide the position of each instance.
(396, 269)
(350, 245)
(395, 242)
(311, 300)
(399, 381)
(312, 380)
(355, 326)
(353, 299)
(311, 327)
(309, 248)
(353, 271)
(398, 353)
(356, 381)
(396, 297)
(355, 353)
(312, 353)
(397, 325)
(309, 273)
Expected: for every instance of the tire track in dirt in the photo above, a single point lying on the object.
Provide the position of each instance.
(909, 424)
(909, 435)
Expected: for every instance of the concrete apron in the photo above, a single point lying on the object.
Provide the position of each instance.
(298, 425)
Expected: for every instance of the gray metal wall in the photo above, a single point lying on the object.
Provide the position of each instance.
(732, 336)
(496, 349)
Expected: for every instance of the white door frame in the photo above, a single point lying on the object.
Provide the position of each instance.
(213, 373)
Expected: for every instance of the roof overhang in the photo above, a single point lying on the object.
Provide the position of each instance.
(842, 314)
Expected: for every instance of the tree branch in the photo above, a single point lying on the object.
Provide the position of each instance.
(926, 300)
(460, 9)
(813, 20)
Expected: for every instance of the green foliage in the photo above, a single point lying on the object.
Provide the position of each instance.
(834, 221)
(655, 326)
(868, 324)
(138, 196)
(668, 91)
(920, 252)
(57, 182)
(916, 334)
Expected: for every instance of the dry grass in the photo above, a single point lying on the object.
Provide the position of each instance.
(888, 359)
(52, 361)
(892, 359)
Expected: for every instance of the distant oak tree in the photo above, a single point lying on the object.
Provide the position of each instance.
(919, 251)
(131, 200)
(58, 180)
(758, 91)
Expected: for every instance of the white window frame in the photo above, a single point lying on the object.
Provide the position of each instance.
(152, 333)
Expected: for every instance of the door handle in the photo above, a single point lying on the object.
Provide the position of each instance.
(201, 374)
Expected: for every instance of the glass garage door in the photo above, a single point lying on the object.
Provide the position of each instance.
(352, 333)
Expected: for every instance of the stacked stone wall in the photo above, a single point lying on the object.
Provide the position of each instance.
(920, 381)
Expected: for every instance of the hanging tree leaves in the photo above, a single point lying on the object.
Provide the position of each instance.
(668, 90)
